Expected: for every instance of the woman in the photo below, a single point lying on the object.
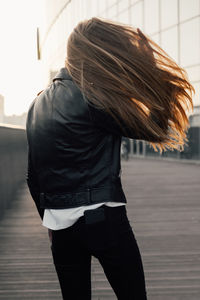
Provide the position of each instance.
(116, 82)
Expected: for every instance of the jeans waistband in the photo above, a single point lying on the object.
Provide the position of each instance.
(115, 211)
(89, 196)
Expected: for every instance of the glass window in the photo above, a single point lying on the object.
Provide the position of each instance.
(189, 9)
(104, 14)
(87, 4)
(155, 38)
(83, 10)
(169, 42)
(196, 98)
(123, 4)
(92, 8)
(190, 42)
(115, 18)
(196, 109)
(151, 15)
(110, 2)
(134, 1)
(169, 13)
(102, 5)
(112, 11)
(193, 73)
(124, 17)
(136, 12)
(75, 6)
(68, 22)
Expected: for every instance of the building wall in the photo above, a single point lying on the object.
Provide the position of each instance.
(173, 24)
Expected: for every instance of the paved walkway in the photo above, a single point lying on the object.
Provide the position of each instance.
(164, 212)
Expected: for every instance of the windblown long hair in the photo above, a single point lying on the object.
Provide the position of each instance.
(122, 71)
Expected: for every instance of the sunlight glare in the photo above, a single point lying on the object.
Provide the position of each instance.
(20, 71)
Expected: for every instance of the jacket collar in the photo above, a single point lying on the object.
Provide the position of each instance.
(63, 74)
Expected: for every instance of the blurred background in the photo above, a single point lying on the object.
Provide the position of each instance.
(33, 38)
(33, 48)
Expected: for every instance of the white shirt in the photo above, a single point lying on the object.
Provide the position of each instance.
(56, 219)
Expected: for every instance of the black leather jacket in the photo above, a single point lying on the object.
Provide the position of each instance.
(74, 149)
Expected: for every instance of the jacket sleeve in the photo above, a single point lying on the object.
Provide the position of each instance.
(105, 121)
(33, 185)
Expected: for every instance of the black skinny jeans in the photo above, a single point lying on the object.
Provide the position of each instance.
(112, 242)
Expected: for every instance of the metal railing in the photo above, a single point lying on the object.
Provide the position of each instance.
(191, 151)
(13, 162)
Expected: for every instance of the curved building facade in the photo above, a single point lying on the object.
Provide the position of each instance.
(173, 24)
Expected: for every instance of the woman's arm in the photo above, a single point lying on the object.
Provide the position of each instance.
(33, 185)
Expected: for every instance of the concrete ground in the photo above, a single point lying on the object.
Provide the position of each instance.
(164, 211)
